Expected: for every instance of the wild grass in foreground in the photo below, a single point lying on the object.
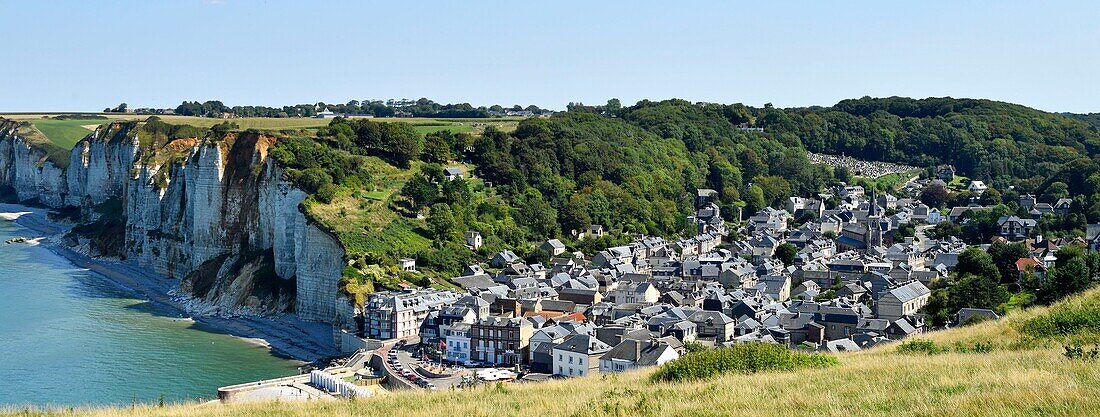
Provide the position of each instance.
(1010, 378)
(745, 358)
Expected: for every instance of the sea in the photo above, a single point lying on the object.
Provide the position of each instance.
(70, 338)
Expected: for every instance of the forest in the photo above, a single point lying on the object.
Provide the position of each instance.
(634, 169)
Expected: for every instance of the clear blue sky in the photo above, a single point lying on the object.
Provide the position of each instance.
(83, 55)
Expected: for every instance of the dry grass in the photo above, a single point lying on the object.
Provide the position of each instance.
(1003, 383)
(1013, 380)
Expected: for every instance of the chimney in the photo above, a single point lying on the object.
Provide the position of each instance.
(637, 350)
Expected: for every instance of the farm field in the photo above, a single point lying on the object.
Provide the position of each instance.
(66, 129)
(66, 133)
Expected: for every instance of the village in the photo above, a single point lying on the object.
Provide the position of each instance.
(833, 272)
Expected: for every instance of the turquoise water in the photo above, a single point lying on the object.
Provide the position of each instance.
(68, 337)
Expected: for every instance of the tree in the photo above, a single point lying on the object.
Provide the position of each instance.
(943, 230)
(774, 188)
(574, 215)
(904, 231)
(976, 291)
(786, 253)
(1066, 280)
(456, 191)
(420, 191)
(1055, 191)
(437, 148)
(935, 196)
(313, 179)
(938, 307)
(990, 197)
(976, 262)
(613, 106)
(754, 199)
(1004, 256)
(441, 222)
(843, 174)
(402, 143)
(539, 217)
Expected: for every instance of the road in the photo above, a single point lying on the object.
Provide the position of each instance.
(407, 360)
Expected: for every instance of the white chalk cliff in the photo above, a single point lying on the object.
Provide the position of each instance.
(214, 213)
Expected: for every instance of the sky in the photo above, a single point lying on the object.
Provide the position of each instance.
(85, 56)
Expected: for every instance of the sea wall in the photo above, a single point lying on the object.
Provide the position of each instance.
(215, 214)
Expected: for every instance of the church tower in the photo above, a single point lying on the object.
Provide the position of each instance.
(874, 224)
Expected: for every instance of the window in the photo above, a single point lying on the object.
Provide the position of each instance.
(570, 360)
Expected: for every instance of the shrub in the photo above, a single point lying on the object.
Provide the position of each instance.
(977, 347)
(742, 358)
(692, 347)
(312, 179)
(1077, 352)
(326, 193)
(1065, 320)
(927, 347)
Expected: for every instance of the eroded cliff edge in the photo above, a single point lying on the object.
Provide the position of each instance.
(213, 212)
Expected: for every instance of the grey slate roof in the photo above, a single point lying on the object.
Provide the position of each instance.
(641, 352)
(910, 291)
(584, 344)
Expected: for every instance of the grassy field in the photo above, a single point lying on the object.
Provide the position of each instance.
(363, 218)
(66, 133)
(894, 181)
(959, 184)
(422, 125)
(1016, 378)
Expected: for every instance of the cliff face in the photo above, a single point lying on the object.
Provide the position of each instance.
(215, 214)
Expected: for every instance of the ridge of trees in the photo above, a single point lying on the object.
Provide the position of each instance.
(377, 108)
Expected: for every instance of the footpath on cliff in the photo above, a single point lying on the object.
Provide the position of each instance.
(284, 334)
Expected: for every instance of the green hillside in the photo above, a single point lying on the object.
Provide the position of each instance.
(377, 183)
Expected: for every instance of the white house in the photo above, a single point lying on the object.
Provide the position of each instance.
(551, 334)
(578, 355)
(634, 292)
(452, 173)
(473, 240)
(633, 354)
(458, 342)
(552, 247)
(977, 187)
